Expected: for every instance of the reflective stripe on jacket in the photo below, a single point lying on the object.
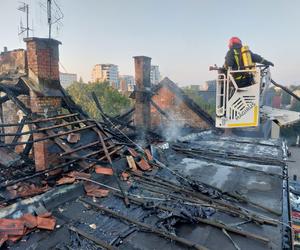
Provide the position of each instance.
(233, 59)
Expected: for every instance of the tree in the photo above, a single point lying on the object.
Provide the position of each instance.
(113, 103)
(208, 106)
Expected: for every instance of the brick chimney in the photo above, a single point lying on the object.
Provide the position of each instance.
(43, 57)
(142, 115)
(43, 70)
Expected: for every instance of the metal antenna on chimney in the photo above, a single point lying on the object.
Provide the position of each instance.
(49, 3)
(24, 8)
(58, 14)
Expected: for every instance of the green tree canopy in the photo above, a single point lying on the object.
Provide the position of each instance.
(208, 106)
(113, 103)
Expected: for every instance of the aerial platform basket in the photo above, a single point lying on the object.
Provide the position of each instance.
(238, 106)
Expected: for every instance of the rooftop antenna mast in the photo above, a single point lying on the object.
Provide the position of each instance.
(54, 15)
(24, 8)
(49, 3)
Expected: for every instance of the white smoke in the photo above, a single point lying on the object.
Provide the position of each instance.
(173, 128)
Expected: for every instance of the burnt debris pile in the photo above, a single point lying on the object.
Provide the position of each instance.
(131, 181)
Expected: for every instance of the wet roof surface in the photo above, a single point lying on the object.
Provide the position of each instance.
(260, 183)
(222, 167)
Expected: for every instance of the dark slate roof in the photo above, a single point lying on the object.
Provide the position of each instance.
(166, 82)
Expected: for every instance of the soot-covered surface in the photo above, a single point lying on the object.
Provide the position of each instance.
(248, 168)
(260, 183)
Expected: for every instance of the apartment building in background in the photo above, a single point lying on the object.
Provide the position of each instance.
(126, 83)
(154, 75)
(66, 79)
(106, 72)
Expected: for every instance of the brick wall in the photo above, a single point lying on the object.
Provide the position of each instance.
(43, 57)
(45, 105)
(12, 62)
(179, 111)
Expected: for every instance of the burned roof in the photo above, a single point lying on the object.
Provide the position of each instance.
(101, 189)
(44, 87)
(203, 191)
(166, 82)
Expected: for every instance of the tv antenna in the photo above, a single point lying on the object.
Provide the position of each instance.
(24, 7)
(53, 19)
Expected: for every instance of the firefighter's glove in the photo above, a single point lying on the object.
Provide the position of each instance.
(265, 62)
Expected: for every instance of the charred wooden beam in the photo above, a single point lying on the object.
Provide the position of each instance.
(12, 96)
(212, 223)
(219, 204)
(69, 163)
(39, 120)
(53, 136)
(98, 105)
(96, 161)
(122, 116)
(28, 147)
(28, 177)
(19, 130)
(4, 99)
(16, 90)
(86, 157)
(82, 147)
(69, 104)
(142, 225)
(231, 155)
(126, 201)
(99, 242)
(59, 142)
(108, 119)
(39, 130)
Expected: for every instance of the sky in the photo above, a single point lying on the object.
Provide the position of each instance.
(183, 37)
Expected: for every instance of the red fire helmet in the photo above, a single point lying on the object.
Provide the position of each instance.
(234, 40)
